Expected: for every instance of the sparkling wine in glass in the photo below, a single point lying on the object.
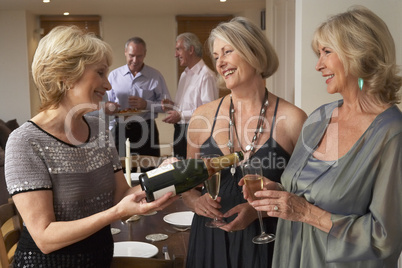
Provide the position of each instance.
(212, 185)
(252, 173)
(167, 104)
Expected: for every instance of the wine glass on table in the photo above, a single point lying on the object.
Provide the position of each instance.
(212, 185)
(252, 172)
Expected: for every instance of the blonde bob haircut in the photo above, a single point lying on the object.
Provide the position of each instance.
(249, 42)
(366, 48)
(60, 61)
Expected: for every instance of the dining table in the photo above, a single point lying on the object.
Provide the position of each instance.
(138, 229)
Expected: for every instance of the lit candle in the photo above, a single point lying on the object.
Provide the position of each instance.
(128, 153)
(128, 162)
(128, 170)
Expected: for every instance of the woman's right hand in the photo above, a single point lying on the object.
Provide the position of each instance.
(135, 204)
(207, 207)
(268, 185)
(169, 160)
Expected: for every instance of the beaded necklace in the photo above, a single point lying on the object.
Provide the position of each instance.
(233, 130)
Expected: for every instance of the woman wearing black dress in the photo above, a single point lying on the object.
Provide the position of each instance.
(250, 119)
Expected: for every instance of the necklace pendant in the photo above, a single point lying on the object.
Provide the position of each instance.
(230, 144)
(233, 170)
(248, 147)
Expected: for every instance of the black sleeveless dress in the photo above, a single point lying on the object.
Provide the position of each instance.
(213, 247)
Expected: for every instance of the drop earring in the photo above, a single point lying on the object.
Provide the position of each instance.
(360, 82)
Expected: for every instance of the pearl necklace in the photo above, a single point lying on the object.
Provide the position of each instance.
(233, 130)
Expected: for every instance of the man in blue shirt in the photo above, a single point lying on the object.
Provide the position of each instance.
(139, 86)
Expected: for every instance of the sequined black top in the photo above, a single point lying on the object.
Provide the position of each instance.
(82, 181)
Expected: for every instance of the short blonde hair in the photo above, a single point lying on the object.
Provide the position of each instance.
(250, 42)
(366, 48)
(60, 61)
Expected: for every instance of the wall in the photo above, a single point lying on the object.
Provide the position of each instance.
(159, 34)
(310, 89)
(33, 37)
(14, 67)
(18, 43)
(19, 97)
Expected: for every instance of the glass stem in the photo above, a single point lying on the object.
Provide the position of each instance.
(260, 219)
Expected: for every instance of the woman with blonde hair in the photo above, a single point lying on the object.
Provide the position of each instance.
(343, 186)
(253, 120)
(62, 171)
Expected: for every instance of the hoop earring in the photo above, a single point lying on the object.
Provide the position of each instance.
(360, 82)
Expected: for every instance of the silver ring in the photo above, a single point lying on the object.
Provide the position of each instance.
(276, 208)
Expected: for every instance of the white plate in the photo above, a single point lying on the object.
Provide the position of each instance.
(135, 176)
(182, 219)
(134, 249)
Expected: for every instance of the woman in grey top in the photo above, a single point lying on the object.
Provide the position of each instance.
(342, 204)
(61, 169)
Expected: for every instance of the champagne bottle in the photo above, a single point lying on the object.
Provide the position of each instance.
(184, 175)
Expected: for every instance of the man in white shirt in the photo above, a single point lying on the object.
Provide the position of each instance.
(197, 86)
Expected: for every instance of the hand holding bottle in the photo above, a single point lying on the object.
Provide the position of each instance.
(135, 203)
(168, 161)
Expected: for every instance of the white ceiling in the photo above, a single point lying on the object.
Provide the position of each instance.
(132, 7)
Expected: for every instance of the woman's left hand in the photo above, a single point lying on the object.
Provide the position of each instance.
(292, 207)
(246, 214)
(281, 204)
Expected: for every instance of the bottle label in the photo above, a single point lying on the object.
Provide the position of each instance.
(158, 194)
(160, 170)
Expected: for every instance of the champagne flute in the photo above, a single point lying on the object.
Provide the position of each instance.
(167, 104)
(212, 185)
(252, 173)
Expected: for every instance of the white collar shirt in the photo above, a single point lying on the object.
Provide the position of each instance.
(197, 86)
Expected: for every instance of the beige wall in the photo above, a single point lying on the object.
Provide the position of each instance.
(17, 45)
(310, 87)
(14, 70)
(19, 98)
